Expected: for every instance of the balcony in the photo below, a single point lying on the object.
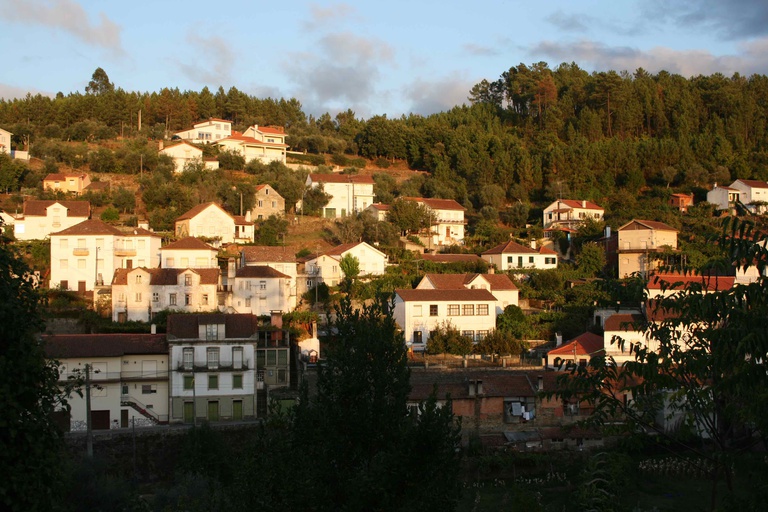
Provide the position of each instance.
(80, 251)
(181, 367)
(123, 252)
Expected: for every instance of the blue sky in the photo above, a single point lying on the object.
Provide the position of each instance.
(374, 57)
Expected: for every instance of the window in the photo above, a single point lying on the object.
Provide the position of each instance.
(482, 309)
(480, 336)
(453, 309)
(184, 262)
(261, 203)
(237, 357)
(138, 297)
(262, 285)
(141, 244)
(63, 264)
(282, 357)
(468, 334)
(433, 310)
(530, 259)
(169, 262)
(237, 381)
(189, 381)
(417, 310)
(155, 297)
(138, 278)
(187, 280)
(81, 263)
(211, 331)
(248, 302)
(187, 299)
(213, 358)
(189, 358)
(213, 382)
(550, 261)
(148, 389)
(266, 192)
(274, 204)
(468, 310)
(271, 357)
(81, 243)
(417, 337)
(63, 243)
(172, 299)
(204, 299)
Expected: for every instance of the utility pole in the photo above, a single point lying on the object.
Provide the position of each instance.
(88, 432)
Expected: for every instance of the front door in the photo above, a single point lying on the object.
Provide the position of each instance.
(189, 412)
(213, 411)
(81, 287)
(237, 410)
(124, 418)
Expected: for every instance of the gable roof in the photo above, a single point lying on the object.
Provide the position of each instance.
(586, 344)
(511, 247)
(37, 207)
(339, 250)
(463, 294)
(576, 204)
(678, 282)
(196, 210)
(340, 178)
(90, 227)
(183, 143)
(60, 176)
(437, 204)
(189, 243)
(450, 258)
(236, 325)
(238, 137)
(753, 183)
(461, 281)
(638, 224)
(61, 346)
(265, 253)
(166, 276)
(260, 271)
(623, 322)
(499, 281)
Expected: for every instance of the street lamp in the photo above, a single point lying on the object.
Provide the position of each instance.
(241, 199)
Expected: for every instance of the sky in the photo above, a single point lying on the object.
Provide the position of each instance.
(374, 57)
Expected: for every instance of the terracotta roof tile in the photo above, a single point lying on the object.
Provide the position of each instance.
(754, 183)
(189, 243)
(677, 282)
(236, 326)
(511, 247)
(341, 178)
(267, 254)
(636, 224)
(260, 271)
(586, 344)
(37, 208)
(450, 258)
(575, 203)
(196, 210)
(623, 322)
(446, 295)
(90, 227)
(61, 346)
(437, 204)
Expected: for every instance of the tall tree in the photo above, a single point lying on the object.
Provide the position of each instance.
(99, 83)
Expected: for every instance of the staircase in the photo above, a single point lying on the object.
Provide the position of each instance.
(129, 401)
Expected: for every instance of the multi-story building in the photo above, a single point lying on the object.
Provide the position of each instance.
(184, 154)
(128, 373)
(419, 312)
(206, 132)
(40, 218)
(638, 243)
(87, 254)
(326, 268)
(67, 183)
(209, 220)
(268, 202)
(265, 144)
(448, 222)
(570, 213)
(219, 363)
(189, 252)
(259, 290)
(500, 285)
(349, 193)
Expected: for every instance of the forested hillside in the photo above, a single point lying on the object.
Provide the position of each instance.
(531, 135)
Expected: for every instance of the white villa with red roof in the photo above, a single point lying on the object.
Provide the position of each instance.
(349, 193)
(210, 220)
(260, 289)
(512, 255)
(725, 198)
(189, 252)
(207, 132)
(325, 268)
(448, 226)
(570, 214)
(500, 285)
(185, 153)
(266, 144)
(87, 254)
(421, 311)
(579, 350)
(40, 218)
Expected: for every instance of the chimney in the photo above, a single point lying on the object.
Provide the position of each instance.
(607, 231)
(558, 339)
(583, 203)
(533, 244)
(540, 383)
(248, 216)
(491, 270)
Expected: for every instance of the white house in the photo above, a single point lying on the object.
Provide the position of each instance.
(139, 293)
(41, 218)
(207, 132)
(418, 312)
(210, 220)
(189, 252)
(185, 153)
(280, 259)
(87, 254)
(752, 193)
(266, 144)
(5, 141)
(500, 285)
(260, 289)
(724, 198)
(570, 213)
(448, 226)
(129, 375)
(325, 268)
(349, 193)
(512, 255)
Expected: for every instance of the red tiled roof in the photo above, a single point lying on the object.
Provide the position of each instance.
(260, 271)
(277, 130)
(679, 282)
(183, 143)
(446, 295)
(97, 185)
(546, 250)
(587, 344)
(339, 250)
(500, 281)
(62, 346)
(574, 203)
(37, 208)
(340, 178)
(381, 206)
(449, 281)
(754, 183)
(636, 224)
(251, 140)
(196, 210)
(60, 176)
(166, 276)
(267, 254)
(211, 119)
(623, 322)
(90, 227)
(511, 247)
(449, 258)
(188, 243)
(437, 204)
(236, 326)
(495, 383)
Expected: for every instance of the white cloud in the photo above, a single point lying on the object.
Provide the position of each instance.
(9, 92)
(438, 95)
(322, 17)
(212, 61)
(67, 16)
(732, 19)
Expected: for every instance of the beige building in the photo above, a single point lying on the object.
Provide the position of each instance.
(209, 220)
(67, 183)
(268, 202)
(87, 254)
(638, 241)
(185, 153)
(449, 223)
(266, 144)
(207, 132)
(259, 289)
(129, 375)
(41, 218)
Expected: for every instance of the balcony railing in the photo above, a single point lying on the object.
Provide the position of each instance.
(181, 367)
(80, 251)
(122, 251)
